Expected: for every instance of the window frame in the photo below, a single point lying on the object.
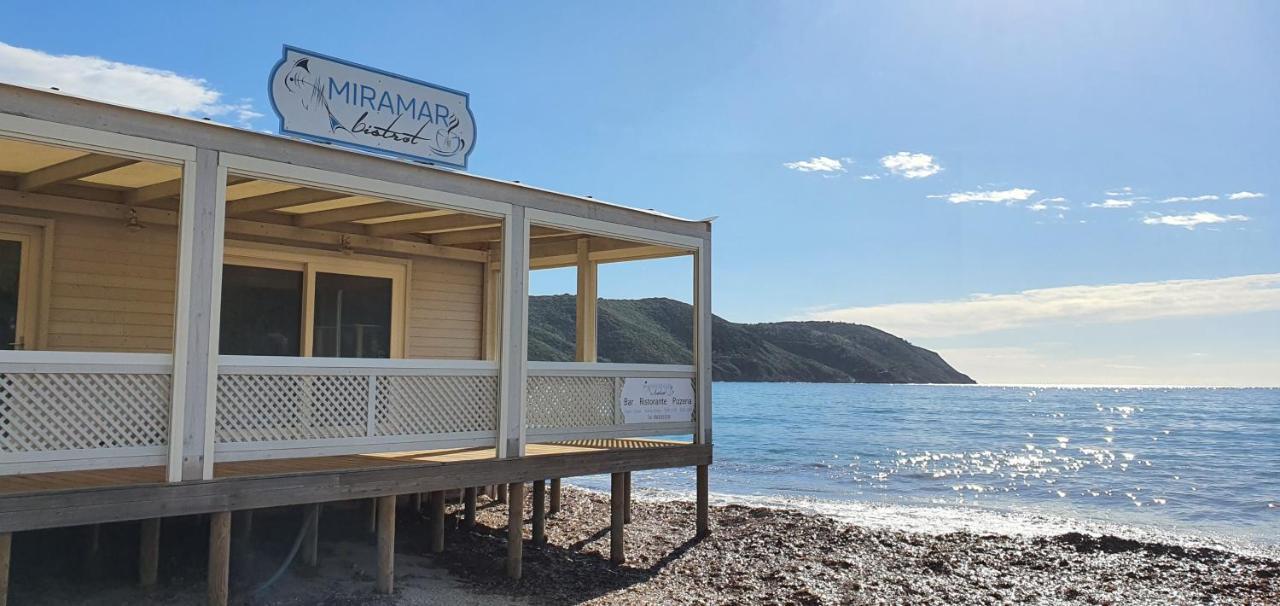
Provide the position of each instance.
(312, 262)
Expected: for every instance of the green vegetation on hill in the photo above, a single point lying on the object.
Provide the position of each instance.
(659, 331)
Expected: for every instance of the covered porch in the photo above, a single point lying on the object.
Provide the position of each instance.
(188, 305)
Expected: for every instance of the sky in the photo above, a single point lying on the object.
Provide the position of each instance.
(1042, 192)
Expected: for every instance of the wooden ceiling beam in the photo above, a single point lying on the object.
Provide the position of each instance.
(455, 222)
(488, 234)
(75, 168)
(283, 199)
(375, 210)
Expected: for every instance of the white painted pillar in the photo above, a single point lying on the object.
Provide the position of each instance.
(195, 350)
(513, 358)
(702, 337)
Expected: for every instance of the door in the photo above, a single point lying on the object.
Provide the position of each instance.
(19, 266)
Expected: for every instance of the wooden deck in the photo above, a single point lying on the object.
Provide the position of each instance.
(76, 480)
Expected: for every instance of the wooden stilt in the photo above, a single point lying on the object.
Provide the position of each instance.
(386, 544)
(93, 551)
(416, 501)
(515, 529)
(502, 493)
(626, 499)
(311, 541)
(469, 507)
(704, 518)
(373, 516)
(539, 512)
(617, 488)
(219, 556)
(435, 512)
(555, 497)
(242, 542)
(6, 542)
(149, 553)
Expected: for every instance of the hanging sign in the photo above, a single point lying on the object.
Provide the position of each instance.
(657, 400)
(327, 99)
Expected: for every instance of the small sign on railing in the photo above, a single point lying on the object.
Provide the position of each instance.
(657, 400)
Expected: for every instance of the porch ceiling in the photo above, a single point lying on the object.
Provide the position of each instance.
(68, 173)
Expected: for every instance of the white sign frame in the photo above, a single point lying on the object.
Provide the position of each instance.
(331, 100)
(656, 400)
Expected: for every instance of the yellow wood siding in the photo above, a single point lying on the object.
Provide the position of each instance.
(112, 289)
(446, 301)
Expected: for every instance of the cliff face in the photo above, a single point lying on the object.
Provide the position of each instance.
(658, 331)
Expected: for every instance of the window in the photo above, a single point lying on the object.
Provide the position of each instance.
(286, 303)
(352, 316)
(261, 311)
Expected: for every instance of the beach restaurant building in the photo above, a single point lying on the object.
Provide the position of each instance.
(205, 320)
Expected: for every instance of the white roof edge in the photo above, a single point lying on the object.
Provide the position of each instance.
(211, 122)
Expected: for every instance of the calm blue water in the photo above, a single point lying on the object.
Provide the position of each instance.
(1176, 461)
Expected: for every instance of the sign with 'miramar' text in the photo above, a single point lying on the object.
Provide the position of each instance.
(657, 400)
(331, 100)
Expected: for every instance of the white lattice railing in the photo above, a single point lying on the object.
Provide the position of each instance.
(72, 410)
(576, 400)
(275, 407)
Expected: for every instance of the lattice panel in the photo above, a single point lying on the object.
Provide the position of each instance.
(257, 408)
(560, 402)
(413, 405)
(71, 411)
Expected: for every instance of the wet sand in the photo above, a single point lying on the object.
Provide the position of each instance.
(754, 555)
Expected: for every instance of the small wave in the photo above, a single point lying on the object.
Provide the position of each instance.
(944, 519)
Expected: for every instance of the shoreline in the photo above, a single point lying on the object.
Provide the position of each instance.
(781, 555)
(754, 554)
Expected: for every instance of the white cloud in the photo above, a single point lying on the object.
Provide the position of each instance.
(1112, 203)
(1204, 198)
(911, 165)
(819, 164)
(1192, 220)
(123, 83)
(1086, 304)
(869, 177)
(1007, 196)
(1245, 195)
(1123, 191)
(1038, 206)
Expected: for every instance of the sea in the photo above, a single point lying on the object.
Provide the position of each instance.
(1189, 466)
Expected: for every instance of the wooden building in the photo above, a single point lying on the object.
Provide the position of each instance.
(201, 319)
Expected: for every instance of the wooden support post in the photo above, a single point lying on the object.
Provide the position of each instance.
(149, 553)
(539, 512)
(704, 518)
(416, 502)
(93, 552)
(311, 542)
(373, 516)
(242, 542)
(554, 507)
(219, 556)
(469, 507)
(6, 542)
(515, 529)
(386, 544)
(626, 499)
(502, 493)
(617, 488)
(435, 511)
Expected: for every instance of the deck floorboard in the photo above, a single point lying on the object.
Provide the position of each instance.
(97, 478)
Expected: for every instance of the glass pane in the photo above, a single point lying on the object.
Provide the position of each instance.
(10, 265)
(261, 312)
(353, 316)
